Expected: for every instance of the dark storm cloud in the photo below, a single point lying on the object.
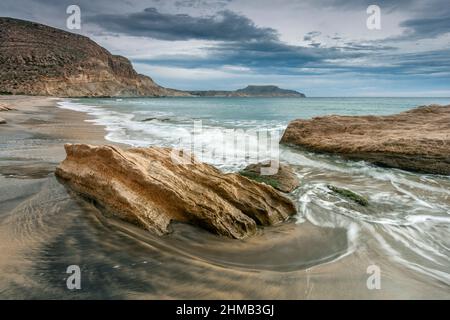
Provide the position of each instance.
(260, 56)
(358, 4)
(366, 47)
(274, 57)
(432, 61)
(222, 26)
(278, 54)
(426, 27)
(210, 4)
(414, 8)
(53, 12)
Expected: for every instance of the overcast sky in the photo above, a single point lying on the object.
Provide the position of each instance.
(319, 47)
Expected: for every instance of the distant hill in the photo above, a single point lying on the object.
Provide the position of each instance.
(251, 91)
(39, 60)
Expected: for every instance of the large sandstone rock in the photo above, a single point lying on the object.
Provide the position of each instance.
(2, 121)
(415, 140)
(284, 179)
(39, 60)
(146, 187)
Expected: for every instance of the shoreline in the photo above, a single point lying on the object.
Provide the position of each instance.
(41, 118)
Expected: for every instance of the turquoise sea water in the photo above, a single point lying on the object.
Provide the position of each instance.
(405, 230)
(248, 111)
(170, 121)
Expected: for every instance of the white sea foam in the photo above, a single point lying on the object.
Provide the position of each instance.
(224, 147)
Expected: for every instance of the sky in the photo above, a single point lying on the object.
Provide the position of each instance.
(318, 47)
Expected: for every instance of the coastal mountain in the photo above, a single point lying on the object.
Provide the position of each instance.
(251, 91)
(40, 60)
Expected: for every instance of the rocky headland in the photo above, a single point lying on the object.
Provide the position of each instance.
(146, 187)
(416, 140)
(40, 60)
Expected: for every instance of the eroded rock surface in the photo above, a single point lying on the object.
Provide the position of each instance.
(415, 140)
(146, 187)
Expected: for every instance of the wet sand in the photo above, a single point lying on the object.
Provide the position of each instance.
(31, 145)
(45, 227)
(38, 118)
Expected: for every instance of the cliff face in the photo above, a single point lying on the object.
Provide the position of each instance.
(39, 60)
(251, 91)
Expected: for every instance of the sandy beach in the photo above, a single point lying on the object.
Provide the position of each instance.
(39, 118)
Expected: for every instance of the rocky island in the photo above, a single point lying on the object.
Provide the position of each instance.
(416, 140)
(40, 60)
(251, 91)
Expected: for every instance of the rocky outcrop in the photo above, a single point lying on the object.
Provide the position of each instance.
(146, 187)
(251, 91)
(39, 60)
(349, 195)
(416, 140)
(5, 107)
(2, 121)
(284, 180)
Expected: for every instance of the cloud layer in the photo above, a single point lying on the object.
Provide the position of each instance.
(321, 44)
(224, 26)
